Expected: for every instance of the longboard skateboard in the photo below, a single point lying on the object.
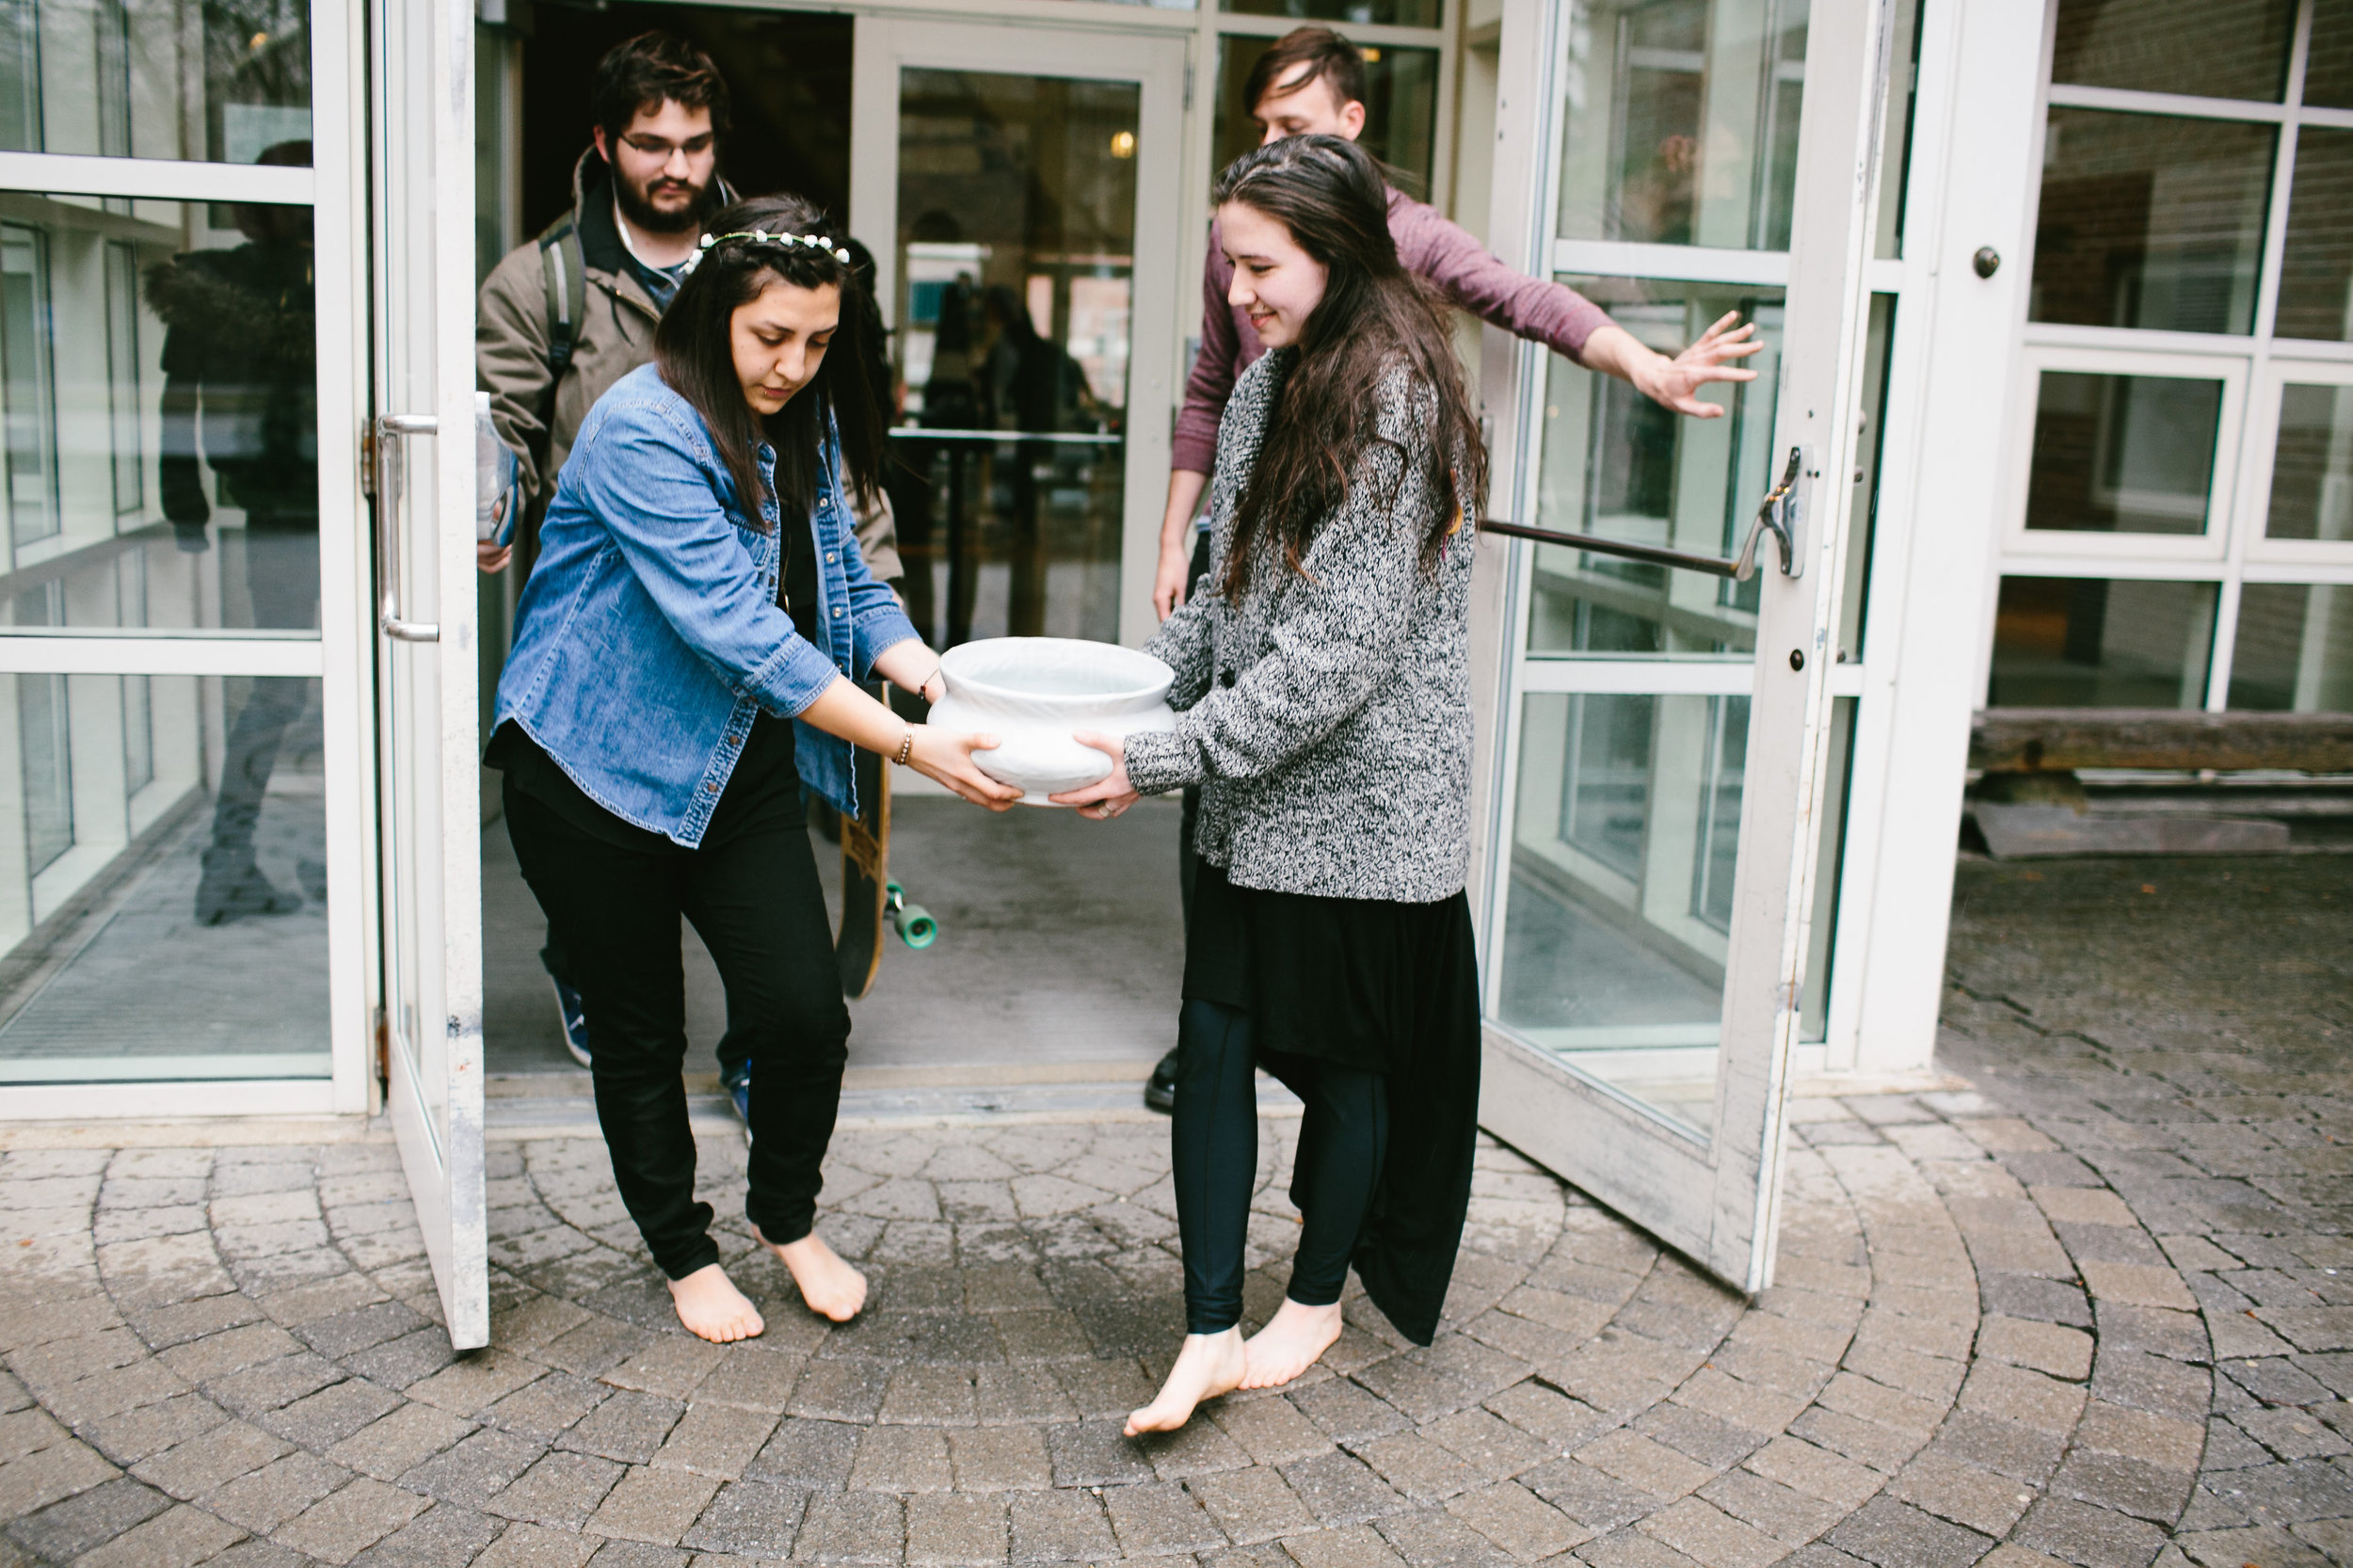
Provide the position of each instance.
(866, 887)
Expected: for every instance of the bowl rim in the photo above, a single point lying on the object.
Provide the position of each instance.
(1159, 676)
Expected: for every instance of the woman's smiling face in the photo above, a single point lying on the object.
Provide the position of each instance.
(1277, 285)
(780, 341)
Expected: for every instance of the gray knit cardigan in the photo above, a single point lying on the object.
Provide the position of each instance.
(1327, 717)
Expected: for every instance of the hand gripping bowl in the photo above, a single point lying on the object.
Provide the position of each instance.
(1032, 692)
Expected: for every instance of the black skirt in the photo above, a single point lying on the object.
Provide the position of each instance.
(1377, 986)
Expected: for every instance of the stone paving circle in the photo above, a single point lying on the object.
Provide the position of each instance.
(230, 1356)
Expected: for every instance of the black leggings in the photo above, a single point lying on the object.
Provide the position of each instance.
(756, 901)
(1342, 1141)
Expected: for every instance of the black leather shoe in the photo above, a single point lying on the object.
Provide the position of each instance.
(1160, 1091)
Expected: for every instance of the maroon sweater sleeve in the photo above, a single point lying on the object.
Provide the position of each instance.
(1193, 445)
(1467, 273)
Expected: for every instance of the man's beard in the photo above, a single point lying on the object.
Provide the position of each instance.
(643, 215)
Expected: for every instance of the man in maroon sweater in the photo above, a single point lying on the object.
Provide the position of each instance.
(1312, 82)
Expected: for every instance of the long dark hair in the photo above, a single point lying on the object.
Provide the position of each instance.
(1376, 317)
(694, 348)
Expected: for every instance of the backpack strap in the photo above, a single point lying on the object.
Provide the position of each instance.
(564, 275)
(565, 272)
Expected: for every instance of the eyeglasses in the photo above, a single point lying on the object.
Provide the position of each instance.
(656, 147)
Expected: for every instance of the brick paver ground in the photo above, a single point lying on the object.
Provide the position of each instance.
(1990, 1339)
(2176, 1032)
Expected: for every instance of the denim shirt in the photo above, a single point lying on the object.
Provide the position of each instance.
(648, 637)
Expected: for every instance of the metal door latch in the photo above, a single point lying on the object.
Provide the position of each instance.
(1782, 513)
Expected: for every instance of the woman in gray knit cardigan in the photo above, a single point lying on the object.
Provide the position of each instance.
(1324, 689)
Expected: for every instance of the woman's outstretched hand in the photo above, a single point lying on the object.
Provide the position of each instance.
(1109, 795)
(946, 756)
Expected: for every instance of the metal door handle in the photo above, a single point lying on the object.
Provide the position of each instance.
(388, 450)
(1781, 514)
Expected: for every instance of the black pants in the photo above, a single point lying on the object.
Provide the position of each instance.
(1342, 1142)
(756, 903)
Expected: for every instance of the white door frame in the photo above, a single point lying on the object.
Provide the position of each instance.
(429, 795)
(885, 46)
(1715, 1198)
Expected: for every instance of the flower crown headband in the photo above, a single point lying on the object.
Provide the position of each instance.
(761, 236)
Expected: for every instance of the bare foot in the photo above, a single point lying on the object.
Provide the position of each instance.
(1290, 1343)
(832, 1288)
(1209, 1365)
(709, 1305)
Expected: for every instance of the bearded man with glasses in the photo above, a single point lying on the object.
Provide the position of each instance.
(565, 316)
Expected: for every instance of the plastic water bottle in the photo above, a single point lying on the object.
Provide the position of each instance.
(494, 471)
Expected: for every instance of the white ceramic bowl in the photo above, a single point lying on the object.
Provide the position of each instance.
(1034, 693)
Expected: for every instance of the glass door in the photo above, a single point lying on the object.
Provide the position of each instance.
(183, 775)
(1672, 717)
(422, 444)
(1001, 179)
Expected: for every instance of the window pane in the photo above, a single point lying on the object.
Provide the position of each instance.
(131, 78)
(1625, 843)
(2204, 48)
(1368, 13)
(158, 416)
(1016, 268)
(2311, 469)
(1903, 94)
(2151, 221)
(2123, 454)
(2316, 262)
(2294, 653)
(2087, 642)
(1401, 106)
(1682, 123)
(1623, 853)
(163, 892)
(1619, 465)
(2328, 58)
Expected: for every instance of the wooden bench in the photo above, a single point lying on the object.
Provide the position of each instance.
(2061, 740)
(2028, 801)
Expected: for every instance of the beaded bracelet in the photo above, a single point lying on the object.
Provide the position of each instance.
(906, 748)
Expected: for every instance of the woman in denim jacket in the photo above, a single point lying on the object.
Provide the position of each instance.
(687, 657)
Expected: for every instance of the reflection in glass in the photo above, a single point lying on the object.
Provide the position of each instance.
(1682, 123)
(1017, 255)
(2150, 221)
(129, 78)
(112, 965)
(2089, 642)
(1401, 106)
(2328, 58)
(1619, 465)
(2311, 469)
(2202, 48)
(2123, 454)
(1628, 814)
(158, 416)
(1365, 13)
(2294, 650)
(1903, 96)
(1624, 850)
(2317, 261)
(28, 394)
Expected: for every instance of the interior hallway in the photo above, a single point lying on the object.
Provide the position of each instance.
(1061, 949)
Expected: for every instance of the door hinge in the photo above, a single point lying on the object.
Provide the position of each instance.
(367, 460)
(383, 1051)
(1189, 86)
